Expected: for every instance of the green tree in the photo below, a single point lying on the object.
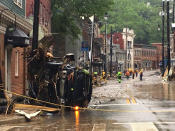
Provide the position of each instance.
(140, 15)
(67, 13)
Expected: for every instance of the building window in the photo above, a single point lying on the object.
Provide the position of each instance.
(18, 3)
(17, 63)
(129, 56)
(129, 44)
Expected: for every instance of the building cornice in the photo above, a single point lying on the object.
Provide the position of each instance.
(8, 17)
(2, 29)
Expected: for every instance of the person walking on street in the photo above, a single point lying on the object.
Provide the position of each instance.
(95, 78)
(119, 77)
(136, 71)
(133, 74)
(141, 74)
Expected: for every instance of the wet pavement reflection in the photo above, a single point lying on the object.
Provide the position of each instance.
(163, 91)
(77, 124)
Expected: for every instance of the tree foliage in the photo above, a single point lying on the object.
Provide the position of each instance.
(140, 15)
(66, 13)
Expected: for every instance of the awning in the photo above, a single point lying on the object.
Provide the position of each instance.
(97, 63)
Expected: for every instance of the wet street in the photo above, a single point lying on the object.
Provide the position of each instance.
(132, 105)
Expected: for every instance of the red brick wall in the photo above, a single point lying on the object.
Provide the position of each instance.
(145, 54)
(2, 57)
(45, 12)
(117, 39)
(159, 50)
(85, 33)
(18, 82)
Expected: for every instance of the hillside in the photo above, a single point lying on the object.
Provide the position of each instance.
(140, 15)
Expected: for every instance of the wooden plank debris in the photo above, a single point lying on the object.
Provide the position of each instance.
(35, 107)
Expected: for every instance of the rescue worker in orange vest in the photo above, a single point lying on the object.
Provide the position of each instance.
(127, 74)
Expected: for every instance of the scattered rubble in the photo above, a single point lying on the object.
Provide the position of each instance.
(113, 90)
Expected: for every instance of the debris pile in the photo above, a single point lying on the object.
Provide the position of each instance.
(59, 82)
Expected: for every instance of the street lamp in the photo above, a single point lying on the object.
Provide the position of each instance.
(14, 36)
(106, 16)
(105, 64)
(158, 27)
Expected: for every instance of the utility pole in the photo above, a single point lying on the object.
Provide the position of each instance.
(105, 65)
(168, 37)
(111, 54)
(163, 24)
(35, 24)
(173, 9)
(174, 22)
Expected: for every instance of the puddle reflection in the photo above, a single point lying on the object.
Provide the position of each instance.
(164, 91)
(77, 117)
(168, 91)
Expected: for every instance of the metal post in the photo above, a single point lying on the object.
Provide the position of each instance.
(173, 9)
(163, 24)
(111, 54)
(174, 22)
(35, 24)
(168, 38)
(105, 65)
(91, 46)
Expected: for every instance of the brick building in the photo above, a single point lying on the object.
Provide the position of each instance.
(12, 63)
(44, 13)
(123, 57)
(118, 39)
(117, 48)
(128, 37)
(158, 53)
(66, 44)
(145, 56)
(98, 42)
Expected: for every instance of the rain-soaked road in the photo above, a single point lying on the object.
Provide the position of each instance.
(133, 105)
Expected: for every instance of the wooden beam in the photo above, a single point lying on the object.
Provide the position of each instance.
(34, 107)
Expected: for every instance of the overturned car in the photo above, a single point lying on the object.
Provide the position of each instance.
(60, 82)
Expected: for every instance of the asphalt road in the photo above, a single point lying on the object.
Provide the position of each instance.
(133, 105)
